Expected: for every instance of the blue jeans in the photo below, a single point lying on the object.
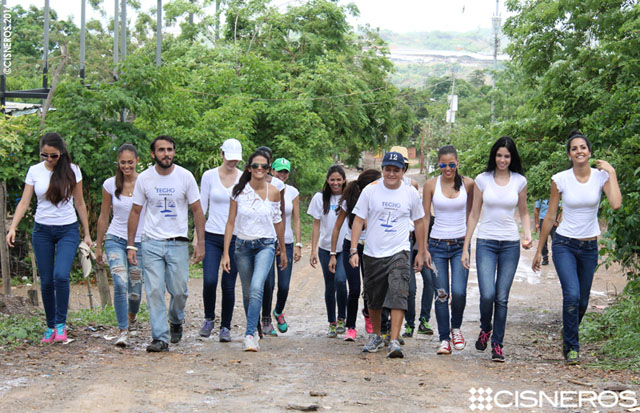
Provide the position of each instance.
(166, 265)
(213, 247)
(127, 279)
(335, 285)
(496, 262)
(447, 255)
(353, 279)
(253, 260)
(55, 248)
(427, 295)
(575, 263)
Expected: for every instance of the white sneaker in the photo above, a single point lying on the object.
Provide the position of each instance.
(458, 339)
(250, 343)
(123, 339)
(445, 347)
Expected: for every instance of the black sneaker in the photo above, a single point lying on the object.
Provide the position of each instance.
(496, 353)
(157, 346)
(545, 261)
(176, 333)
(483, 340)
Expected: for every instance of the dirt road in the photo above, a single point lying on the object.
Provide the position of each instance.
(303, 369)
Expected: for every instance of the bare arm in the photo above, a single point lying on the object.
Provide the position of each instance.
(315, 236)
(523, 210)
(103, 223)
(611, 187)
(228, 234)
(547, 224)
(334, 238)
(132, 228)
(471, 225)
(427, 197)
(469, 186)
(81, 208)
(356, 231)
(295, 220)
(198, 219)
(21, 209)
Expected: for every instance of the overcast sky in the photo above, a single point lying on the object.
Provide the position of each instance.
(398, 15)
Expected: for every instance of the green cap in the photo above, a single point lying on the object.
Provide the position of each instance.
(280, 164)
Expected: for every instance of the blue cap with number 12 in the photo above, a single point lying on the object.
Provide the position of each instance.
(393, 159)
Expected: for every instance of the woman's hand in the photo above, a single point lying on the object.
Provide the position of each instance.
(332, 264)
(87, 240)
(527, 243)
(313, 259)
(535, 265)
(283, 259)
(297, 253)
(465, 259)
(605, 166)
(99, 259)
(11, 237)
(226, 263)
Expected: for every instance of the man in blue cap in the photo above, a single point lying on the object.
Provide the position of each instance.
(389, 206)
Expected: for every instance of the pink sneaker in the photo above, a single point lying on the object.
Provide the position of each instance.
(367, 322)
(61, 333)
(351, 335)
(47, 338)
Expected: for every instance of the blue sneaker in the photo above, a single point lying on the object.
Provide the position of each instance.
(282, 323)
(61, 332)
(48, 336)
(395, 350)
(207, 326)
(374, 343)
(225, 335)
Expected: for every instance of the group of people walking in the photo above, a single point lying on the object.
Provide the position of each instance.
(371, 234)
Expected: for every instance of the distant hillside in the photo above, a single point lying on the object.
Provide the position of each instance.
(479, 40)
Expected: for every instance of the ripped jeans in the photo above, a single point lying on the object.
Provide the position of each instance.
(127, 279)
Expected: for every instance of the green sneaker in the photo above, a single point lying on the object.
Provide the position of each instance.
(282, 323)
(573, 358)
(340, 328)
(332, 331)
(408, 331)
(424, 327)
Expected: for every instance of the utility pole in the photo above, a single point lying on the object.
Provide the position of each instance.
(496, 31)
(83, 29)
(45, 46)
(116, 29)
(159, 34)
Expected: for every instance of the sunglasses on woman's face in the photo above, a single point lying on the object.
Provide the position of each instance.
(264, 166)
(50, 155)
(451, 165)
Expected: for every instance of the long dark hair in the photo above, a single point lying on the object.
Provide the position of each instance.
(505, 142)
(352, 192)
(63, 178)
(326, 189)
(451, 150)
(246, 174)
(574, 134)
(119, 175)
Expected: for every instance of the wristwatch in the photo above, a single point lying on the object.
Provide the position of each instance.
(333, 253)
(299, 244)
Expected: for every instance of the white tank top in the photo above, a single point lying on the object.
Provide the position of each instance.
(450, 214)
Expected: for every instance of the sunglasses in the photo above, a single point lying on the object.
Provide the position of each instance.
(264, 166)
(50, 155)
(451, 165)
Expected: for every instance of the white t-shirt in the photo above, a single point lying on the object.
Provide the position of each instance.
(389, 214)
(498, 207)
(215, 198)
(290, 193)
(450, 214)
(328, 221)
(347, 234)
(167, 198)
(580, 203)
(277, 182)
(121, 209)
(47, 213)
(255, 216)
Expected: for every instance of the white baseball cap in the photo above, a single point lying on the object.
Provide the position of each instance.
(232, 149)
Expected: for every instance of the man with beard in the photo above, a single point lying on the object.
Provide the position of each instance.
(167, 190)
